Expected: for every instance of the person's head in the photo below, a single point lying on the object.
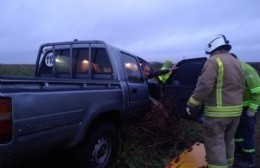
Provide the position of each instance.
(146, 70)
(218, 42)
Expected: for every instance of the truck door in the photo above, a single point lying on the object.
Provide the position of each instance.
(138, 90)
(181, 83)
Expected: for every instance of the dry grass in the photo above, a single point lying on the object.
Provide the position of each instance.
(17, 69)
(156, 139)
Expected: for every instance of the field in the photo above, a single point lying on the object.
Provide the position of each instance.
(16, 69)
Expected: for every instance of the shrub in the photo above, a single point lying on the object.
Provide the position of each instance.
(156, 139)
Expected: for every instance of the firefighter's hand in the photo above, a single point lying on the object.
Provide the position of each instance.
(192, 110)
(250, 114)
(188, 111)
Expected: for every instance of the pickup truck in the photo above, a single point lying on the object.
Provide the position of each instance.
(81, 93)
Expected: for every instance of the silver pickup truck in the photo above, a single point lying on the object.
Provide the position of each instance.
(81, 93)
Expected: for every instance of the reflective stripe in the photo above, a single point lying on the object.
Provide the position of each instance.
(217, 166)
(248, 150)
(239, 140)
(225, 108)
(193, 101)
(222, 115)
(219, 82)
(165, 66)
(255, 90)
(230, 162)
(246, 103)
(253, 106)
(227, 111)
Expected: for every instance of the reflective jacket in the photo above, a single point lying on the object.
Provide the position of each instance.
(251, 97)
(165, 66)
(220, 87)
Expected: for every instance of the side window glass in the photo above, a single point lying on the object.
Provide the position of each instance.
(191, 68)
(100, 61)
(58, 63)
(81, 61)
(99, 64)
(62, 61)
(46, 63)
(132, 69)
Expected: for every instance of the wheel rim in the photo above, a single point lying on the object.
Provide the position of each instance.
(102, 151)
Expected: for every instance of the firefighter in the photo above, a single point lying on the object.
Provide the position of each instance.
(165, 66)
(245, 134)
(220, 88)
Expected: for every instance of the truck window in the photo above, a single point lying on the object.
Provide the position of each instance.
(99, 67)
(100, 64)
(62, 61)
(101, 61)
(132, 68)
(81, 61)
(187, 74)
(46, 63)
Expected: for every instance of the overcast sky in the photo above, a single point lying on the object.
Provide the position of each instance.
(155, 30)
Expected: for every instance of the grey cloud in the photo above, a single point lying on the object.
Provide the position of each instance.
(155, 30)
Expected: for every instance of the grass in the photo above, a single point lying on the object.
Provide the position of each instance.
(155, 139)
(16, 69)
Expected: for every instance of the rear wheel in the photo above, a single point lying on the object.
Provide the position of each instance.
(99, 148)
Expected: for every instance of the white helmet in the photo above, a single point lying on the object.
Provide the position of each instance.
(218, 41)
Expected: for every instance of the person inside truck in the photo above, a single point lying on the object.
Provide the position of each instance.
(148, 74)
(245, 134)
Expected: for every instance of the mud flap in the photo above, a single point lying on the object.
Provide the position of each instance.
(194, 157)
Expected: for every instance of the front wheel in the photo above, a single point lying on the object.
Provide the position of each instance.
(99, 147)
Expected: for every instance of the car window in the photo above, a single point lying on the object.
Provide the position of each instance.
(85, 63)
(187, 74)
(132, 68)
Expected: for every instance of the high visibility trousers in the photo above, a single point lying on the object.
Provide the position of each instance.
(219, 141)
(245, 137)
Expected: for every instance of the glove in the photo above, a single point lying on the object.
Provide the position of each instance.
(193, 111)
(250, 114)
(188, 110)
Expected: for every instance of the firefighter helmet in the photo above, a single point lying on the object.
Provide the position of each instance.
(217, 42)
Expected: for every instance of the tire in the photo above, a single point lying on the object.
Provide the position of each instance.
(99, 148)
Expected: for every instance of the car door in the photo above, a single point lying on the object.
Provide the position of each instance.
(137, 87)
(180, 85)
